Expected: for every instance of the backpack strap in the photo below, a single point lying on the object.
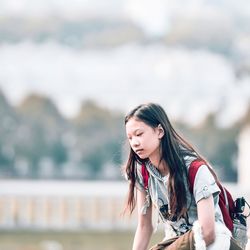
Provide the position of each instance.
(225, 197)
(227, 206)
(145, 175)
(192, 171)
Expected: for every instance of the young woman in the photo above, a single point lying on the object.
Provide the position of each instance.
(156, 146)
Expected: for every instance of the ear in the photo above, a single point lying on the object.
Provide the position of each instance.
(160, 131)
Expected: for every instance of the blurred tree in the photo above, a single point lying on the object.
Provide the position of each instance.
(219, 146)
(9, 122)
(42, 143)
(43, 125)
(40, 110)
(58, 152)
(98, 135)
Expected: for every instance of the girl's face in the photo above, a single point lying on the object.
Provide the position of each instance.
(143, 139)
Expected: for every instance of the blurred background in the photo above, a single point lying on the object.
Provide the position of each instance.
(71, 70)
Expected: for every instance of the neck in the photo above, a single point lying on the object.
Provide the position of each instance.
(155, 161)
(155, 158)
(162, 166)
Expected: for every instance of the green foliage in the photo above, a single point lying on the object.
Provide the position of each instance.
(58, 153)
(38, 142)
(217, 145)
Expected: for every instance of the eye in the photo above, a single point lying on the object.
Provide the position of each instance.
(139, 134)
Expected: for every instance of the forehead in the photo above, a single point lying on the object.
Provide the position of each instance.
(134, 124)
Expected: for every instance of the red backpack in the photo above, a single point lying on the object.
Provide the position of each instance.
(226, 201)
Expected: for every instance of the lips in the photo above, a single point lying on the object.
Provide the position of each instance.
(138, 151)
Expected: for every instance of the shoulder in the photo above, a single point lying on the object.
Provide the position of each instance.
(139, 175)
(189, 159)
(204, 184)
(198, 168)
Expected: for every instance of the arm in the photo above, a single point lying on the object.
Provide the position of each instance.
(205, 209)
(144, 228)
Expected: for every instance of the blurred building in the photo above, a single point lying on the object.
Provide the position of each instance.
(63, 205)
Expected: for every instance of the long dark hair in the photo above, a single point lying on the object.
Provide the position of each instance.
(173, 146)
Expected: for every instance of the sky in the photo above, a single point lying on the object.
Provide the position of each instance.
(189, 83)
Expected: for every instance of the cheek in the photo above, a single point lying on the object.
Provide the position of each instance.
(154, 143)
(157, 143)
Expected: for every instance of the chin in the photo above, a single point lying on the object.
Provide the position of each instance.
(142, 157)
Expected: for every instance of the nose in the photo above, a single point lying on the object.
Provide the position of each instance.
(135, 142)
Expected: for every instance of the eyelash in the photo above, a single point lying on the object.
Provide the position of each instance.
(130, 138)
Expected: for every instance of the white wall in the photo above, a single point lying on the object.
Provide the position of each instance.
(244, 159)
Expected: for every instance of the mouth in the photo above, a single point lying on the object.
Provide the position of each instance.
(138, 151)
